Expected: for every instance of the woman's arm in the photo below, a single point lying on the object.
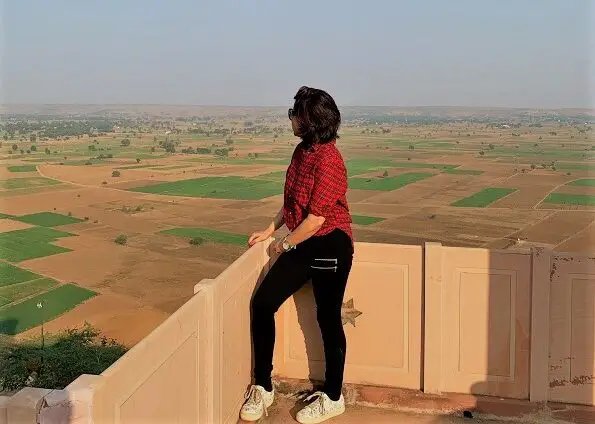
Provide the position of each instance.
(305, 230)
(259, 236)
(277, 222)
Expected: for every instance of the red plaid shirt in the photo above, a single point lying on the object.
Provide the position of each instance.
(316, 183)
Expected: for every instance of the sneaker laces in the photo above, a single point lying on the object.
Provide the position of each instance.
(255, 396)
(319, 399)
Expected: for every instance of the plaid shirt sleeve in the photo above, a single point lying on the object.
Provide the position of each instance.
(330, 184)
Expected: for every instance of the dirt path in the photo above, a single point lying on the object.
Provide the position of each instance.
(552, 190)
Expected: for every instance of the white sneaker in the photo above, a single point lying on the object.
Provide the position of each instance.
(258, 400)
(322, 409)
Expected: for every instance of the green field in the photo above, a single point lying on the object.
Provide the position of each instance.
(423, 165)
(365, 220)
(585, 182)
(10, 274)
(209, 235)
(3, 216)
(567, 166)
(16, 292)
(273, 176)
(47, 219)
(484, 197)
(25, 315)
(387, 183)
(20, 245)
(463, 171)
(365, 166)
(217, 187)
(16, 183)
(22, 168)
(570, 199)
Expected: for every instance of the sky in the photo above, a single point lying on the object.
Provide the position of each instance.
(485, 53)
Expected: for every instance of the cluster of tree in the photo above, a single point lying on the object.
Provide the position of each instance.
(223, 151)
(198, 150)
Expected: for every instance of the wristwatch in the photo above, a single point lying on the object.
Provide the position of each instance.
(285, 245)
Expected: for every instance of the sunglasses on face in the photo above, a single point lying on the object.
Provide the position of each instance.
(290, 113)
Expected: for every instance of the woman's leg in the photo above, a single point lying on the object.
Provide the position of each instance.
(287, 275)
(329, 288)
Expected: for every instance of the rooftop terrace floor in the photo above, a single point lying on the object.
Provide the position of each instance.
(284, 409)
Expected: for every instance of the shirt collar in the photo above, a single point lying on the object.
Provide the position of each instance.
(317, 146)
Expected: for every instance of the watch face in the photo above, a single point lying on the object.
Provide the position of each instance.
(285, 245)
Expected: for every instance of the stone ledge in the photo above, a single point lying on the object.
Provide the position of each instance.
(3, 409)
(449, 403)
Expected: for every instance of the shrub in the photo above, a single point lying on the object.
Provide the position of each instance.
(137, 160)
(385, 174)
(69, 213)
(116, 173)
(121, 239)
(104, 182)
(57, 364)
(88, 163)
(197, 241)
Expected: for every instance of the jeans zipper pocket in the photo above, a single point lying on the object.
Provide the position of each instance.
(326, 261)
(334, 268)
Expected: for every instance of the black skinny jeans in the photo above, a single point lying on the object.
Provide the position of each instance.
(326, 260)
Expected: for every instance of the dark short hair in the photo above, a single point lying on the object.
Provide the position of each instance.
(317, 115)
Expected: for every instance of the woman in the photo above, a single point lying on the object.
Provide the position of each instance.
(319, 247)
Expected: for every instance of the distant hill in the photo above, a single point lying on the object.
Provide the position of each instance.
(366, 113)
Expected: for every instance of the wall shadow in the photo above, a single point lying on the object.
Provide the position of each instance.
(8, 326)
(555, 310)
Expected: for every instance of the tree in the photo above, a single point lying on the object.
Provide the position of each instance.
(153, 149)
(22, 151)
(385, 174)
(491, 146)
(125, 142)
(116, 173)
(48, 152)
(5, 137)
(411, 147)
(33, 148)
(121, 239)
(481, 153)
(137, 160)
(33, 138)
(15, 147)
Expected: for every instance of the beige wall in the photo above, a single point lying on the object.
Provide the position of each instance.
(382, 310)
(440, 319)
(572, 329)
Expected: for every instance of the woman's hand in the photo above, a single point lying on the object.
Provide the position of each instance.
(258, 236)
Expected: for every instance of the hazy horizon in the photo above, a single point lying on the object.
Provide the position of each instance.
(505, 54)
